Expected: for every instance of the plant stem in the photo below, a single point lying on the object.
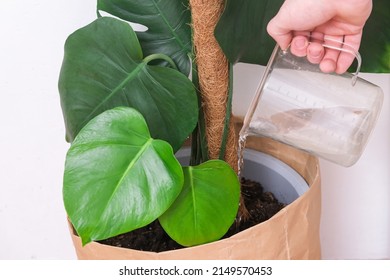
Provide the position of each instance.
(160, 56)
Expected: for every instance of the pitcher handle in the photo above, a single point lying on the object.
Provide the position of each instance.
(350, 50)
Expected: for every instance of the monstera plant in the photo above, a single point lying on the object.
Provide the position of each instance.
(130, 100)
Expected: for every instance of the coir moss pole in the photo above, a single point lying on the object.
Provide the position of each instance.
(213, 73)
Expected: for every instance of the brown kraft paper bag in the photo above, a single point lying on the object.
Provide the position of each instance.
(293, 233)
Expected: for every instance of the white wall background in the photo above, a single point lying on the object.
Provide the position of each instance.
(356, 201)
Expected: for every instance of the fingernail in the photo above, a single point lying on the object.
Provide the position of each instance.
(315, 53)
(300, 43)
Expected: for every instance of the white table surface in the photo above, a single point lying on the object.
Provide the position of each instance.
(355, 221)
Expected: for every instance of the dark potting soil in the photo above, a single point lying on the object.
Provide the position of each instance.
(260, 205)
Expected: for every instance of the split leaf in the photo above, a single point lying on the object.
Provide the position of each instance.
(104, 68)
(117, 178)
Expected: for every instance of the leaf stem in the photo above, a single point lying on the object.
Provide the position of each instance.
(160, 56)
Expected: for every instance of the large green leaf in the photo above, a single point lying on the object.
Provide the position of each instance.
(375, 46)
(104, 68)
(117, 178)
(206, 207)
(168, 24)
(241, 30)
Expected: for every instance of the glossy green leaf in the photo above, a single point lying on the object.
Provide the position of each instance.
(104, 68)
(117, 178)
(241, 30)
(375, 46)
(167, 22)
(206, 207)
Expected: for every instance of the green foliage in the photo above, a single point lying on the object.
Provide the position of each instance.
(241, 30)
(117, 178)
(375, 46)
(206, 207)
(103, 68)
(167, 22)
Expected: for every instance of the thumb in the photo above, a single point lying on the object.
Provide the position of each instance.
(282, 36)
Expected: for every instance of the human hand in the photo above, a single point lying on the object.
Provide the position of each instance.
(299, 21)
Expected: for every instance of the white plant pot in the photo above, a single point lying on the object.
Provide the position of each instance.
(274, 175)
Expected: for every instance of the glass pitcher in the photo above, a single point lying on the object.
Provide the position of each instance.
(328, 115)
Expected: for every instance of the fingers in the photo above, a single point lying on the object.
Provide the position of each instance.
(299, 45)
(315, 50)
(315, 53)
(306, 43)
(280, 35)
(345, 59)
(330, 59)
(344, 62)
